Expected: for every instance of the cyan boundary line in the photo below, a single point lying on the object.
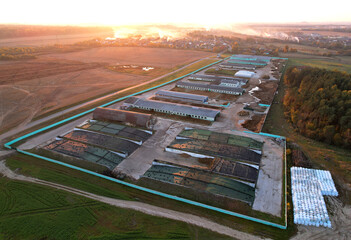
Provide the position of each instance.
(265, 134)
(180, 199)
(285, 170)
(8, 145)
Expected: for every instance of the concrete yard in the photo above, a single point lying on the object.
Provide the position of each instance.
(269, 184)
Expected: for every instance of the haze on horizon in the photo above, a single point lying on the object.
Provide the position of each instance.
(205, 13)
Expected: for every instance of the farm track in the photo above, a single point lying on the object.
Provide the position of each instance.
(137, 206)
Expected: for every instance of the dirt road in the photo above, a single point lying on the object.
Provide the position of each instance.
(137, 206)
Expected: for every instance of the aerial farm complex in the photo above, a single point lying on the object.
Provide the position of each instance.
(198, 138)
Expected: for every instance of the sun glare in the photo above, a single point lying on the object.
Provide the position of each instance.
(204, 12)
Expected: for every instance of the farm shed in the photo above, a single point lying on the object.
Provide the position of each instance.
(172, 108)
(201, 77)
(230, 83)
(183, 97)
(237, 66)
(257, 63)
(250, 57)
(137, 119)
(245, 74)
(211, 88)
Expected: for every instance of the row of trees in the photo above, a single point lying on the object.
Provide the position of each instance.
(318, 103)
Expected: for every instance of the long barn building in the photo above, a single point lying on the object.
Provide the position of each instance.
(211, 88)
(251, 58)
(237, 66)
(182, 97)
(172, 108)
(201, 77)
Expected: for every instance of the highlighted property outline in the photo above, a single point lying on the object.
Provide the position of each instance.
(180, 199)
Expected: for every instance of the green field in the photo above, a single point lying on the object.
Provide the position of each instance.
(69, 177)
(339, 63)
(31, 211)
(334, 159)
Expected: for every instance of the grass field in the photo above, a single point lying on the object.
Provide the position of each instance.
(59, 174)
(31, 211)
(340, 64)
(334, 159)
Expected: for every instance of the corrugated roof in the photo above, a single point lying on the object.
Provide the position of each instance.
(218, 78)
(211, 87)
(179, 108)
(255, 63)
(182, 95)
(237, 65)
(251, 57)
(229, 81)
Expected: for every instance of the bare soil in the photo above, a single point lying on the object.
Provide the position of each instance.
(159, 57)
(255, 123)
(32, 88)
(24, 100)
(14, 72)
(266, 91)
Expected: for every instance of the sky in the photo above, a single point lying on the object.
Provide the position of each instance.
(209, 13)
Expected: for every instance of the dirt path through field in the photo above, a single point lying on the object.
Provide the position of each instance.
(138, 206)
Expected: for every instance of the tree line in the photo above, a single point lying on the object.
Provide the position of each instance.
(318, 104)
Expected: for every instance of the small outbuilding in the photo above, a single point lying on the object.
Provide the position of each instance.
(244, 74)
(115, 115)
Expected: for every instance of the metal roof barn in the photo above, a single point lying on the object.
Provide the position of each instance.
(172, 108)
(213, 78)
(185, 97)
(229, 83)
(137, 119)
(250, 57)
(251, 62)
(227, 65)
(246, 74)
(211, 88)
